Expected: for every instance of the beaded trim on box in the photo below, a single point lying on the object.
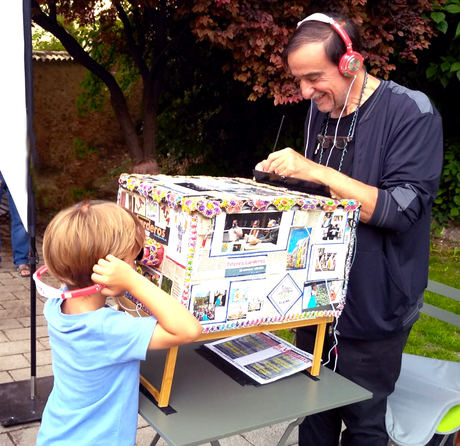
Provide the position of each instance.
(246, 278)
(209, 207)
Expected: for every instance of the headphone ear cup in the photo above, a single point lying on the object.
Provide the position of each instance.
(350, 63)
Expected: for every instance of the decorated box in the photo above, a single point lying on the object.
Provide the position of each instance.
(237, 252)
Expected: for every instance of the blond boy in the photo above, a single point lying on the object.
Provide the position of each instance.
(96, 349)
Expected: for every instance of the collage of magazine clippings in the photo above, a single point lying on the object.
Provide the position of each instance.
(263, 356)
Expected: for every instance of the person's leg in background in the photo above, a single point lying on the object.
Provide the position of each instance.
(375, 365)
(20, 241)
(2, 188)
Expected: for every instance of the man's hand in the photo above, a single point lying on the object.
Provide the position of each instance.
(289, 163)
(115, 274)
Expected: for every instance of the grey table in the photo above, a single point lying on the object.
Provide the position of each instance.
(210, 405)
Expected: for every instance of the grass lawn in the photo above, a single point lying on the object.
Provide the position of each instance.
(429, 336)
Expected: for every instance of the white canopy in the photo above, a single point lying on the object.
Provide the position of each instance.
(13, 115)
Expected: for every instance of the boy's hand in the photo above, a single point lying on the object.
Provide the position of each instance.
(115, 274)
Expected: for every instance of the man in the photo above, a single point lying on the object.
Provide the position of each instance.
(381, 144)
(235, 232)
(271, 233)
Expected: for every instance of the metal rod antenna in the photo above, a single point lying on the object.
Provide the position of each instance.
(278, 135)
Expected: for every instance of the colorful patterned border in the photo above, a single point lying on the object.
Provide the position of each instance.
(253, 323)
(210, 207)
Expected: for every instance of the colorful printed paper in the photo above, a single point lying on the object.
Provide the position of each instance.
(238, 253)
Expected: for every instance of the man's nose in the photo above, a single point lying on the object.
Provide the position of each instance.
(306, 89)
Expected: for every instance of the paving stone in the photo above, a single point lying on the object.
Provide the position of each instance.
(8, 323)
(5, 377)
(42, 357)
(24, 373)
(9, 304)
(18, 334)
(235, 440)
(5, 440)
(141, 422)
(25, 436)
(39, 307)
(13, 362)
(11, 284)
(14, 309)
(44, 342)
(13, 288)
(271, 435)
(39, 321)
(13, 347)
(145, 435)
(6, 296)
(8, 269)
(22, 346)
(10, 428)
(4, 271)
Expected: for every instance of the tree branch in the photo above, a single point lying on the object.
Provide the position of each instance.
(138, 23)
(134, 49)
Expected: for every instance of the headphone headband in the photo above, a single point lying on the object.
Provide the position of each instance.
(351, 62)
(54, 293)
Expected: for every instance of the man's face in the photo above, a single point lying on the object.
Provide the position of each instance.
(320, 79)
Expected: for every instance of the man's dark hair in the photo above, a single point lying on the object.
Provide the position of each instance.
(315, 31)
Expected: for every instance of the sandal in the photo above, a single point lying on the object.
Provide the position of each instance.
(23, 270)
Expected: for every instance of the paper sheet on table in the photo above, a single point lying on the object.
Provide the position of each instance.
(262, 356)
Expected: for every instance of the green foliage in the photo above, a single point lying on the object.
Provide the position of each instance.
(115, 172)
(257, 32)
(447, 204)
(447, 68)
(91, 97)
(79, 194)
(93, 91)
(181, 126)
(44, 41)
(206, 124)
(81, 150)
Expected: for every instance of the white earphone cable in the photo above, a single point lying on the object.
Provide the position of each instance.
(308, 129)
(339, 118)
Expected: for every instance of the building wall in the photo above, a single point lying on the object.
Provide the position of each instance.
(77, 155)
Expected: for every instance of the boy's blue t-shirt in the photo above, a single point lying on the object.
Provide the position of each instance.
(96, 358)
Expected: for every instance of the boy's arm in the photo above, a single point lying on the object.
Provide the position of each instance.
(176, 325)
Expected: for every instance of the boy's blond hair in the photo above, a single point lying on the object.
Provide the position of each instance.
(77, 237)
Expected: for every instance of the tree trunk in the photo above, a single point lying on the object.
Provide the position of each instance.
(128, 129)
(118, 101)
(150, 120)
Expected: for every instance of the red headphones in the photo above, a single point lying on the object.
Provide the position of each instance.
(352, 61)
(51, 292)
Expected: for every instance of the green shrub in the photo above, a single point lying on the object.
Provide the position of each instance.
(447, 204)
(81, 150)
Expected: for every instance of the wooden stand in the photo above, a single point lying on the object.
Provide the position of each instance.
(162, 395)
